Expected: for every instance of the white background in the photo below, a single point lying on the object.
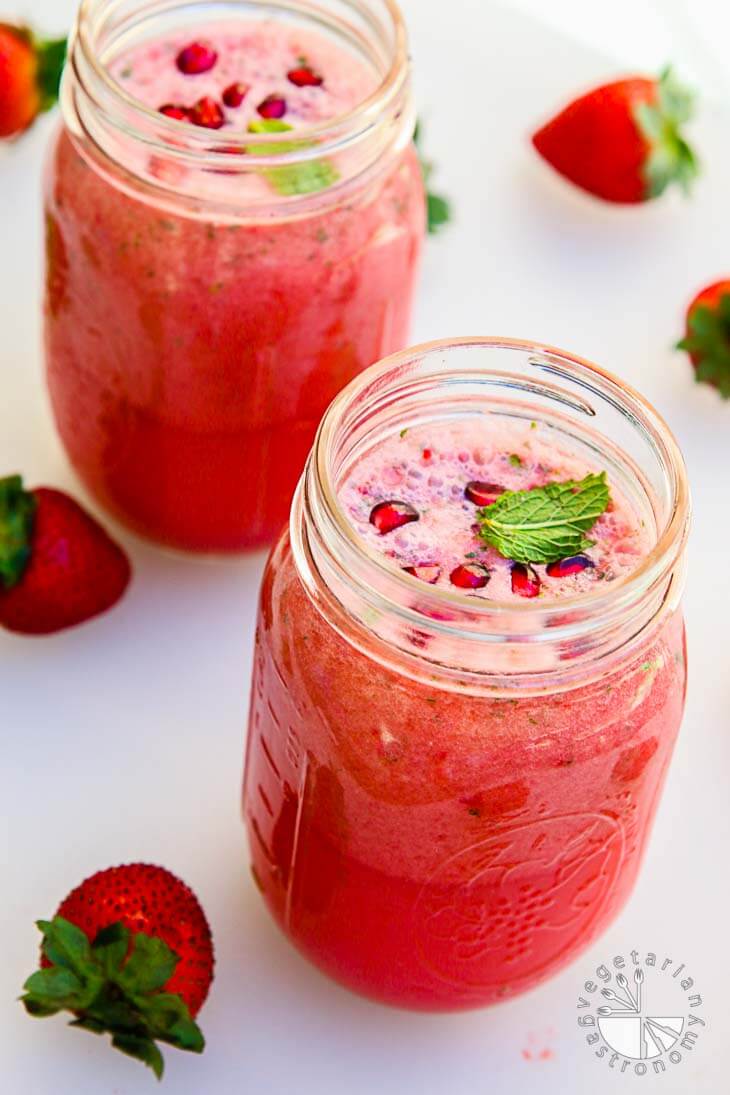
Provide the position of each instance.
(124, 739)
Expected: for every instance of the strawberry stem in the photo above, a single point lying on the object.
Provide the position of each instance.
(708, 342)
(17, 512)
(671, 159)
(114, 984)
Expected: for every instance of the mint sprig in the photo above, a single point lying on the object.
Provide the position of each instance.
(546, 523)
(301, 178)
(113, 985)
(438, 207)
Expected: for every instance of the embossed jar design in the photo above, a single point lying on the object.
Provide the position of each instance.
(447, 799)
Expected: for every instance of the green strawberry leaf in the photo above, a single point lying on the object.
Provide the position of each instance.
(64, 944)
(546, 523)
(291, 179)
(143, 1049)
(671, 159)
(92, 1025)
(111, 947)
(39, 1010)
(115, 985)
(17, 513)
(51, 56)
(150, 965)
(708, 341)
(55, 985)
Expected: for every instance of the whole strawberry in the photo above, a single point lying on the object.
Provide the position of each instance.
(707, 336)
(129, 953)
(30, 73)
(623, 141)
(58, 567)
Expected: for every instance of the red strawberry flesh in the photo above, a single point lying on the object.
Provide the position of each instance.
(30, 74)
(149, 899)
(623, 141)
(469, 576)
(482, 494)
(596, 144)
(525, 582)
(196, 58)
(74, 571)
(390, 515)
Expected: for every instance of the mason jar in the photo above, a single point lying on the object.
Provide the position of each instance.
(449, 797)
(203, 305)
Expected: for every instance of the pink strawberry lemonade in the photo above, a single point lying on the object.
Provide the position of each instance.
(445, 475)
(192, 350)
(430, 847)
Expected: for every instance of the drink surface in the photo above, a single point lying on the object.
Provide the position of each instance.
(425, 846)
(447, 473)
(190, 357)
(260, 56)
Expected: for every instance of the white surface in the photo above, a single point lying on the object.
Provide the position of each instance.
(123, 739)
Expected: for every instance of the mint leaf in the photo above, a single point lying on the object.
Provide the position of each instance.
(546, 523)
(301, 178)
(438, 212)
(438, 207)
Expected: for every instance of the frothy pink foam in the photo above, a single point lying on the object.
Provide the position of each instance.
(429, 467)
(257, 55)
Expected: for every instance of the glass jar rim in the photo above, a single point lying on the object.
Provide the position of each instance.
(468, 642)
(310, 142)
(660, 558)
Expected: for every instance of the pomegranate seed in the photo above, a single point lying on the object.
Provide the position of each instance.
(207, 113)
(234, 94)
(173, 110)
(304, 76)
(273, 106)
(387, 516)
(426, 454)
(482, 494)
(565, 567)
(196, 58)
(469, 576)
(525, 582)
(427, 572)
